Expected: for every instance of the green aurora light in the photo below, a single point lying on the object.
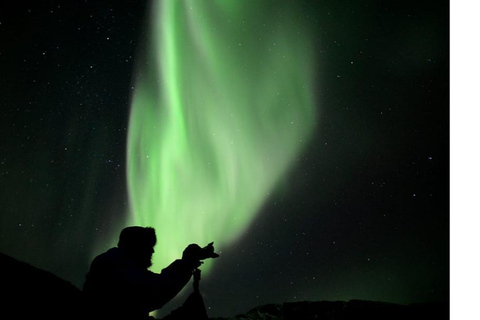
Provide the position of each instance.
(222, 105)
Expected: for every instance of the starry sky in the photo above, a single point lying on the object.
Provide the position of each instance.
(362, 213)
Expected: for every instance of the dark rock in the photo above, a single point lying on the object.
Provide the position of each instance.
(32, 293)
(340, 310)
(265, 312)
(434, 310)
(314, 310)
(359, 309)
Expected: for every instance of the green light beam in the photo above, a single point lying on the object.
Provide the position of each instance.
(222, 105)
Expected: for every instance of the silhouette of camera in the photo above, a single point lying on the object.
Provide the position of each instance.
(195, 252)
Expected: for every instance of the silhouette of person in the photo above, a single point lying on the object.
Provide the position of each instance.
(120, 286)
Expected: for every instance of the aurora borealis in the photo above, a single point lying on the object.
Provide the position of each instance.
(308, 140)
(218, 115)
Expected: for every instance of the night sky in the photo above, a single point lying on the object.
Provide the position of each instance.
(363, 212)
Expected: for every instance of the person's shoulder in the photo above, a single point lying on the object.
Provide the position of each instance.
(110, 256)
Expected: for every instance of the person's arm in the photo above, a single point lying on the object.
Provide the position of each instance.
(163, 287)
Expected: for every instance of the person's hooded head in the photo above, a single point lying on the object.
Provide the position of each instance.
(137, 243)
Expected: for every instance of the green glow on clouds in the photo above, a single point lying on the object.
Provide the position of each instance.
(222, 105)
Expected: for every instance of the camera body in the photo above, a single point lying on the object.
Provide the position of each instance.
(195, 253)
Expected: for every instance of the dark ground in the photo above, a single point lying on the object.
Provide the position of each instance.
(32, 293)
